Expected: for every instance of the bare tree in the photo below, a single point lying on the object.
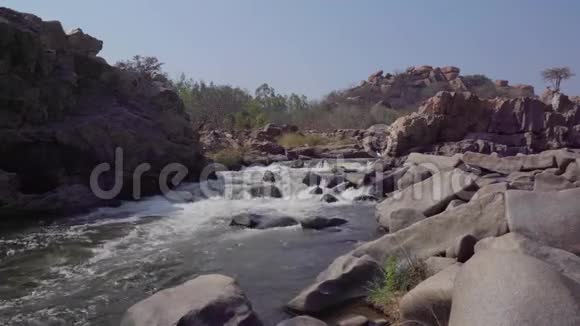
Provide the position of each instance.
(556, 75)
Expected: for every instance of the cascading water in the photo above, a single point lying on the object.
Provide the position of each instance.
(87, 270)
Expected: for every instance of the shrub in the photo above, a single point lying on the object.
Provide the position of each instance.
(231, 158)
(298, 140)
(396, 280)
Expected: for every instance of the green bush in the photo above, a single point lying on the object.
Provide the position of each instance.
(298, 140)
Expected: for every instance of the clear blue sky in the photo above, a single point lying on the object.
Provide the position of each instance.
(314, 46)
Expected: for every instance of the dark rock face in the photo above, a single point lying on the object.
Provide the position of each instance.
(65, 110)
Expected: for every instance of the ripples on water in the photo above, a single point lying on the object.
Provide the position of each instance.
(89, 269)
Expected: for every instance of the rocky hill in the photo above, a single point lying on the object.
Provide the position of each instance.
(64, 110)
(406, 90)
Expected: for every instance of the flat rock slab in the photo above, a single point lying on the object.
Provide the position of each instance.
(507, 289)
(493, 163)
(429, 197)
(435, 162)
(552, 218)
(482, 218)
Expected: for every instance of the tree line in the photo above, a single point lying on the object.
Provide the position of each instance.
(213, 106)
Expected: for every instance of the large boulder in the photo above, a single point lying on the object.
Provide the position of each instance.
(563, 261)
(345, 279)
(482, 217)
(460, 113)
(429, 197)
(429, 303)
(509, 289)
(552, 218)
(412, 130)
(208, 300)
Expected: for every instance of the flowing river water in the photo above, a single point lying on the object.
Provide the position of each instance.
(87, 270)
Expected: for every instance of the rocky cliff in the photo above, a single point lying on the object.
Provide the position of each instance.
(64, 110)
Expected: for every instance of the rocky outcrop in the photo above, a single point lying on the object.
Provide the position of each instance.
(418, 83)
(205, 300)
(65, 110)
(451, 123)
(429, 197)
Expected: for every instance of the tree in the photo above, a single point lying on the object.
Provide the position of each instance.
(556, 75)
(296, 102)
(150, 67)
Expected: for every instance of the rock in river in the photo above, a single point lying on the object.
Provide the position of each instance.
(254, 221)
(319, 223)
(265, 191)
(210, 300)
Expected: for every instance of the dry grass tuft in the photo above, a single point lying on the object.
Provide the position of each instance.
(395, 281)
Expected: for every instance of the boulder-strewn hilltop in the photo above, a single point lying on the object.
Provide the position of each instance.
(407, 89)
(63, 110)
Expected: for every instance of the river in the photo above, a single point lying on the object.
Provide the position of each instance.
(88, 269)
